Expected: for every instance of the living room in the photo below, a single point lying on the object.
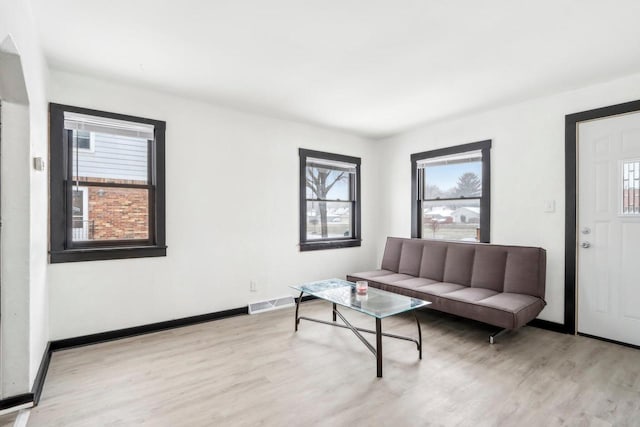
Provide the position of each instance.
(239, 89)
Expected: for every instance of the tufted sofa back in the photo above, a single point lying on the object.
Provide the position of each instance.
(515, 269)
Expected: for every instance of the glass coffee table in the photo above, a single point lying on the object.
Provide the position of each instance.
(375, 303)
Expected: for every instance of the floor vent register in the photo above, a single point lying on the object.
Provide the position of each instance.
(272, 304)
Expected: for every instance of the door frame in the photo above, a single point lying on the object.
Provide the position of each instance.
(571, 199)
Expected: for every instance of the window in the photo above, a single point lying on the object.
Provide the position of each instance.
(329, 200)
(451, 193)
(107, 185)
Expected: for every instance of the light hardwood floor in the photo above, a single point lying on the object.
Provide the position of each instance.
(254, 370)
(7, 420)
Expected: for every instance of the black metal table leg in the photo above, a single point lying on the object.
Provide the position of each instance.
(348, 325)
(377, 351)
(419, 334)
(379, 346)
(297, 308)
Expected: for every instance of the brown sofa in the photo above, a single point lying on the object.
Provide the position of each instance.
(499, 285)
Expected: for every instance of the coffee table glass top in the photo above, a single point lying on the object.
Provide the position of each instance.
(375, 302)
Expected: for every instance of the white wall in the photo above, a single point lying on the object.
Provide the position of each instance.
(24, 207)
(527, 168)
(15, 249)
(232, 215)
(232, 209)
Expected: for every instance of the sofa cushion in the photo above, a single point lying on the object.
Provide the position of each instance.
(508, 301)
(414, 283)
(364, 275)
(410, 258)
(396, 287)
(392, 251)
(432, 263)
(440, 288)
(524, 270)
(517, 304)
(392, 278)
(470, 294)
(459, 264)
(472, 310)
(488, 267)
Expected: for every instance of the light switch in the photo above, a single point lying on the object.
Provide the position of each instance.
(549, 206)
(38, 163)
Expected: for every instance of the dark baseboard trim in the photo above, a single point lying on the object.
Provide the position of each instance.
(38, 383)
(144, 329)
(636, 347)
(16, 400)
(36, 390)
(550, 326)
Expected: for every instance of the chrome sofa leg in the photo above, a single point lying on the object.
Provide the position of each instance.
(492, 337)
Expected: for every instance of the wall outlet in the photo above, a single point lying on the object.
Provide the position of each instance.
(253, 287)
(549, 206)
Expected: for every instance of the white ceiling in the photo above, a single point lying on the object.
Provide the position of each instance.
(372, 67)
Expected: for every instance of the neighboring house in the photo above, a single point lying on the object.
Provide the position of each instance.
(466, 215)
(108, 213)
(441, 214)
(439, 210)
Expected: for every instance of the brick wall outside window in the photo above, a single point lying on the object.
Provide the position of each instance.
(118, 213)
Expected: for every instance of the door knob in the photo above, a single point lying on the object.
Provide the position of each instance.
(585, 245)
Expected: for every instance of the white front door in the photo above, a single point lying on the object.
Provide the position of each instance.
(609, 228)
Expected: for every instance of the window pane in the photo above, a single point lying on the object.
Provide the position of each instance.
(462, 179)
(84, 140)
(323, 183)
(631, 187)
(78, 203)
(328, 220)
(110, 214)
(80, 227)
(114, 159)
(451, 220)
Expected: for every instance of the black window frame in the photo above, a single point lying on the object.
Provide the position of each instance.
(485, 199)
(62, 247)
(355, 197)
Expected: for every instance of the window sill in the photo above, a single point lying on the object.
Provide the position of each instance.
(102, 254)
(329, 244)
